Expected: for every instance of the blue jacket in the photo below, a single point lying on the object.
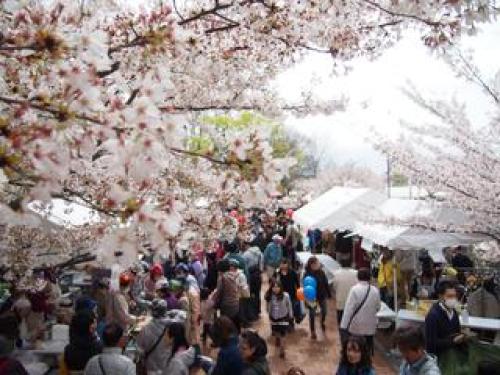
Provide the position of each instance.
(229, 361)
(273, 255)
(345, 370)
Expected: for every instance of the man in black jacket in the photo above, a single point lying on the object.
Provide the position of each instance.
(442, 325)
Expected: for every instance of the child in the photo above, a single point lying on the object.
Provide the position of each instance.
(356, 358)
(411, 344)
(207, 312)
(279, 307)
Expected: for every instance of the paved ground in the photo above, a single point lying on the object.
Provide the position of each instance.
(319, 357)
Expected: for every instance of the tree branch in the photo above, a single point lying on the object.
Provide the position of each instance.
(114, 67)
(87, 202)
(477, 77)
(138, 41)
(177, 10)
(209, 158)
(403, 15)
(183, 109)
(61, 115)
(132, 96)
(211, 11)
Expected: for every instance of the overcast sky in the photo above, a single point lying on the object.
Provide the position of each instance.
(375, 97)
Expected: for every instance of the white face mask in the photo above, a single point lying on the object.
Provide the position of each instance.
(451, 303)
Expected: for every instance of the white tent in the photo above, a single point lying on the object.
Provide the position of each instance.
(339, 208)
(411, 238)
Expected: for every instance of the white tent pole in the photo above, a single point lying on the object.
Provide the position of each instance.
(395, 284)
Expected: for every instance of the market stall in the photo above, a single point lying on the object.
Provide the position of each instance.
(338, 209)
(388, 228)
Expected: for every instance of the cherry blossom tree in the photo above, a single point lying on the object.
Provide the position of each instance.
(94, 97)
(454, 156)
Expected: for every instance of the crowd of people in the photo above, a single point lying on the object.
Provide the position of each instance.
(175, 311)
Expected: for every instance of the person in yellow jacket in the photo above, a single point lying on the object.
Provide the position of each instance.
(386, 276)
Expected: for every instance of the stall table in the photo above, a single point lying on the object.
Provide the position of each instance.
(473, 322)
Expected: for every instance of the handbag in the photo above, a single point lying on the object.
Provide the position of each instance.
(140, 365)
(344, 332)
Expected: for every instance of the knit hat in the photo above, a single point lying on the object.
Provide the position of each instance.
(159, 308)
(176, 285)
(156, 270)
(234, 262)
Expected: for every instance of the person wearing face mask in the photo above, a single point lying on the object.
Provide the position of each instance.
(442, 325)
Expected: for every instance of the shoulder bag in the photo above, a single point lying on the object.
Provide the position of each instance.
(140, 365)
(344, 333)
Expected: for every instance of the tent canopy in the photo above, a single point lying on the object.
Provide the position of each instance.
(339, 208)
(411, 238)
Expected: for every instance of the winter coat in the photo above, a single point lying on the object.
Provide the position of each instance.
(258, 367)
(483, 304)
(229, 361)
(322, 289)
(180, 362)
(290, 282)
(117, 310)
(426, 366)
(227, 294)
(149, 335)
(79, 351)
(440, 330)
(194, 311)
(273, 255)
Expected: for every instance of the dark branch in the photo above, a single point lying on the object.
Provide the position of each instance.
(177, 11)
(209, 158)
(59, 114)
(114, 67)
(182, 109)
(211, 11)
(132, 96)
(138, 41)
(403, 15)
(32, 47)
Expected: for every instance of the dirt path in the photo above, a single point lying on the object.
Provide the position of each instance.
(319, 357)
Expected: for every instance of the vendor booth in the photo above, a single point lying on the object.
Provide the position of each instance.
(338, 209)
